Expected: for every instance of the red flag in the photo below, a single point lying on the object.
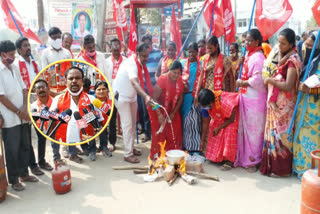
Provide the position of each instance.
(218, 23)
(175, 32)
(8, 19)
(229, 23)
(271, 15)
(133, 38)
(119, 16)
(316, 11)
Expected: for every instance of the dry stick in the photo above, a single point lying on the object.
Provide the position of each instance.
(173, 179)
(204, 176)
(140, 171)
(189, 179)
(130, 167)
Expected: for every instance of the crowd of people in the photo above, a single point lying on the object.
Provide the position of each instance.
(234, 110)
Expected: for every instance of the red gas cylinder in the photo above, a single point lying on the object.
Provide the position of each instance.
(3, 179)
(61, 178)
(310, 200)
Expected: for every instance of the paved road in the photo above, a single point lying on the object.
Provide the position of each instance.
(96, 189)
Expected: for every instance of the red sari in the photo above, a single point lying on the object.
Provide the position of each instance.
(168, 98)
(224, 145)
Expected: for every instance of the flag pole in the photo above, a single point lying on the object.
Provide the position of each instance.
(123, 39)
(188, 36)
(17, 26)
(212, 18)
(306, 74)
(249, 28)
(15, 22)
(228, 46)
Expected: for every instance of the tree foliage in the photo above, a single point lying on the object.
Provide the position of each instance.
(312, 22)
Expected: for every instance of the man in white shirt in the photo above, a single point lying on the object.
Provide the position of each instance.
(16, 131)
(126, 86)
(113, 64)
(67, 41)
(28, 70)
(76, 100)
(95, 58)
(54, 52)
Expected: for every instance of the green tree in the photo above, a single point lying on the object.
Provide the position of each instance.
(312, 22)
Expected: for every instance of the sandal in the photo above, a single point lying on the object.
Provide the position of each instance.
(76, 159)
(227, 166)
(113, 148)
(252, 169)
(29, 178)
(137, 152)
(46, 166)
(17, 186)
(132, 159)
(37, 171)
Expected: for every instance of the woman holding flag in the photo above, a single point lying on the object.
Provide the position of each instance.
(252, 105)
(307, 132)
(277, 149)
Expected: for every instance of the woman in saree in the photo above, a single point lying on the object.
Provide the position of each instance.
(223, 129)
(215, 75)
(234, 58)
(307, 122)
(168, 92)
(102, 93)
(252, 105)
(166, 61)
(277, 148)
(191, 115)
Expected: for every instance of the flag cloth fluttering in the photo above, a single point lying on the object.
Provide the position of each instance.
(119, 16)
(271, 15)
(316, 11)
(8, 7)
(174, 29)
(133, 38)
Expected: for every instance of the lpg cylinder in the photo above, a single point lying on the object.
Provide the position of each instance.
(61, 178)
(3, 179)
(310, 200)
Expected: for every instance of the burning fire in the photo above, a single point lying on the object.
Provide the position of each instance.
(160, 161)
(182, 167)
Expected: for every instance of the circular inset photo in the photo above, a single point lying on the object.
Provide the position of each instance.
(70, 102)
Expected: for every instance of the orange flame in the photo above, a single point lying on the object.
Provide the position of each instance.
(182, 168)
(160, 161)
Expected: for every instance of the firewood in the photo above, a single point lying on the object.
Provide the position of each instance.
(189, 179)
(204, 176)
(173, 179)
(130, 167)
(194, 166)
(140, 171)
(169, 173)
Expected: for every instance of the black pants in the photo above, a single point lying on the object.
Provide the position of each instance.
(113, 128)
(17, 142)
(41, 152)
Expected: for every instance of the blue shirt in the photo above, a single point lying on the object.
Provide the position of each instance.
(299, 47)
(152, 64)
